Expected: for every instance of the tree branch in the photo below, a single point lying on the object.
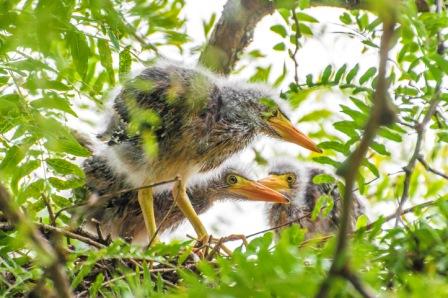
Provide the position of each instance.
(55, 268)
(422, 5)
(420, 128)
(233, 33)
(383, 113)
(428, 168)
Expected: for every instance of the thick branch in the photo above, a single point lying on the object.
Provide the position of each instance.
(422, 5)
(55, 269)
(382, 113)
(233, 33)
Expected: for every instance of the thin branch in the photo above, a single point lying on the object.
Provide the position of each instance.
(356, 282)
(295, 220)
(293, 55)
(49, 209)
(382, 113)
(428, 168)
(420, 128)
(55, 268)
(113, 194)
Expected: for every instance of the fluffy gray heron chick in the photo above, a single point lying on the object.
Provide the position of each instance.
(197, 121)
(295, 179)
(120, 215)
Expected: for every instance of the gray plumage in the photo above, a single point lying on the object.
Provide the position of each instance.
(303, 194)
(198, 121)
(121, 216)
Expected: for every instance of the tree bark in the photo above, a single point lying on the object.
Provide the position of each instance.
(233, 33)
(235, 28)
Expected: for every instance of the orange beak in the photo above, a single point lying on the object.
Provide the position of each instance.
(284, 128)
(275, 182)
(255, 191)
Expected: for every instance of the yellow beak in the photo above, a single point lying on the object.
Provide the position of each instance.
(289, 133)
(255, 191)
(275, 182)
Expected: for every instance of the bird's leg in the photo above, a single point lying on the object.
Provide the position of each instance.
(184, 204)
(146, 201)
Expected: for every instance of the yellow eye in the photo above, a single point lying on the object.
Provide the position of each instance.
(291, 178)
(231, 179)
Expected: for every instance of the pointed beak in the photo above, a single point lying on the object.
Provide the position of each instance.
(284, 128)
(275, 182)
(255, 191)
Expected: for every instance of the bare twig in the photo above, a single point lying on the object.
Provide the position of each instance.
(382, 114)
(295, 220)
(49, 209)
(428, 168)
(85, 237)
(293, 55)
(113, 194)
(420, 129)
(55, 268)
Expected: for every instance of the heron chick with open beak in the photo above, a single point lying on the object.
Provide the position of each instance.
(120, 215)
(295, 179)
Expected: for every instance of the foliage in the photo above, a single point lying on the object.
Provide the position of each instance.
(58, 60)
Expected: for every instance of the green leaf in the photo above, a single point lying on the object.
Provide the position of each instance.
(326, 74)
(53, 102)
(347, 127)
(362, 221)
(323, 178)
(106, 59)
(340, 73)
(59, 138)
(316, 115)
(323, 204)
(345, 18)
(79, 50)
(303, 17)
(64, 167)
(22, 171)
(379, 148)
(371, 167)
(352, 73)
(65, 184)
(367, 75)
(279, 47)
(388, 134)
(125, 63)
(337, 146)
(12, 158)
(280, 30)
(327, 160)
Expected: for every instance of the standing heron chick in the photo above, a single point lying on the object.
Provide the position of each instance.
(174, 121)
(120, 215)
(295, 179)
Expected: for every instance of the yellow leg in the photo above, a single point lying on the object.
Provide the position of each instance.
(184, 204)
(146, 201)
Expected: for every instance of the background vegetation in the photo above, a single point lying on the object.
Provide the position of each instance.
(62, 56)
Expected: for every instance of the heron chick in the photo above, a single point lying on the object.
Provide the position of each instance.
(119, 213)
(295, 179)
(175, 121)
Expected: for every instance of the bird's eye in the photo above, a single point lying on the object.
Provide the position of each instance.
(275, 113)
(291, 178)
(231, 179)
